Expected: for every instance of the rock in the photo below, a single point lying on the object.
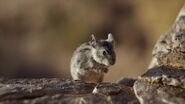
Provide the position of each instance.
(54, 91)
(164, 82)
(111, 89)
(161, 85)
(126, 81)
(164, 70)
(170, 48)
(166, 76)
(107, 89)
(156, 93)
(32, 88)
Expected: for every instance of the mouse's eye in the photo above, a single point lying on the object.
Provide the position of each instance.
(104, 53)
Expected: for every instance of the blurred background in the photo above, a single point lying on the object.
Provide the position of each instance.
(38, 37)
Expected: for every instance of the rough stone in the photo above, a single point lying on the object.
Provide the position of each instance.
(165, 76)
(156, 93)
(164, 82)
(161, 85)
(107, 89)
(127, 81)
(54, 91)
(170, 48)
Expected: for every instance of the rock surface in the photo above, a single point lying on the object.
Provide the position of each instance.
(161, 85)
(165, 76)
(170, 48)
(156, 93)
(164, 82)
(127, 81)
(31, 91)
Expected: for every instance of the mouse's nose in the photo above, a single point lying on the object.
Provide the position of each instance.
(113, 61)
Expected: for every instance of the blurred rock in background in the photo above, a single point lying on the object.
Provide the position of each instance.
(38, 37)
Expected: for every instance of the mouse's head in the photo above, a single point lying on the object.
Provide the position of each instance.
(103, 51)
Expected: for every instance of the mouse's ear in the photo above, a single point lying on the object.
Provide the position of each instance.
(110, 38)
(93, 41)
